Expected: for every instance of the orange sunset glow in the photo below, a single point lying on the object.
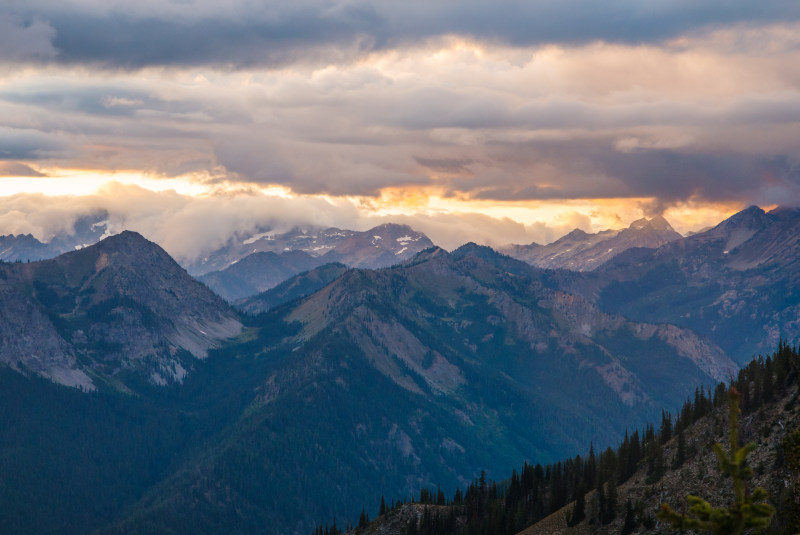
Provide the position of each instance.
(469, 133)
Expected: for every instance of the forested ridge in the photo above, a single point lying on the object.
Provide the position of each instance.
(590, 484)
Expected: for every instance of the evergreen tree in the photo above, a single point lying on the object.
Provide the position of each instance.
(579, 510)
(680, 455)
(630, 519)
(791, 453)
(611, 502)
(665, 434)
(746, 511)
(590, 468)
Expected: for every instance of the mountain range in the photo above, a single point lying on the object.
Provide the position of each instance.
(343, 383)
(86, 230)
(736, 284)
(580, 251)
(381, 246)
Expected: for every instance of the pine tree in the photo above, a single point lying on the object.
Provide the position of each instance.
(610, 511)
(665, 434)
(590, 467)
(630, 519)
(680, 455)
(745, 511)
(363, 520)
(791, 452)
(579, 509)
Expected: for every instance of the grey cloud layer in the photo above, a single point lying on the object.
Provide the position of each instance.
(245, 34)
(22, 40)
(353, 140)
(713, 115)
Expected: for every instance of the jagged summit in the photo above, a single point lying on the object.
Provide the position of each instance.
(576, 235)
(581, 251)
(657, 223)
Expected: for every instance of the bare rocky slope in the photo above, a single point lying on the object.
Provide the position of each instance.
(122, 305)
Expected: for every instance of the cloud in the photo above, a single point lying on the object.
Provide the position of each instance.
(241, 34)
(707, 115)
(18, 169)
(29, 144)
(22, 40)
(450, 166)
(189, 227)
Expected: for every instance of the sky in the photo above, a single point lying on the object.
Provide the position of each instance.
(196, 120)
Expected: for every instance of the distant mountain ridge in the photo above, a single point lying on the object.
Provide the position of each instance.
(86, 230)
(276, 258)
(737, 283)
(381, 246)
(258, 272)
(580, 251)
(292, 289)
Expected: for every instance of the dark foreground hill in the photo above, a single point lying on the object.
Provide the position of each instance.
(622, 490)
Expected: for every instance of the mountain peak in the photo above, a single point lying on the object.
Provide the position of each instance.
(472, 247)
(124, 303)
(428, 254)
(125, 240)
(747, 221)
(574, 235)
(657, 223)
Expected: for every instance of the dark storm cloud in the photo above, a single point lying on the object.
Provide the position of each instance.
(595, 169)
(445, 165)
(113, 100)
(18, 144)
(119, 41)
(24, 39)
(236, 35)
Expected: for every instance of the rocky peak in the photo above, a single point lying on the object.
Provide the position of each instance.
(657, 223)
(576, 235)
(123, 303)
